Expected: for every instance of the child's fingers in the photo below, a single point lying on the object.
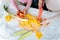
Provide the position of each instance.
(44, 19)
(24, 12)
(45, 22)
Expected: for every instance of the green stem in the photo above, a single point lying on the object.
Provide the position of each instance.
(19, 32)
(25, 35)
(6, 9)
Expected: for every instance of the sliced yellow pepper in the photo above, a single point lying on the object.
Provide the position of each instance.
(8, 18)
(35, 21)
(39, 35)
(31, 19)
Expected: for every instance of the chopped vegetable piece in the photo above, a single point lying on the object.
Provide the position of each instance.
(19, 32)
(8, 18)
(25, 35)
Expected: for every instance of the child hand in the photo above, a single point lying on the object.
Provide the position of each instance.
(45, 22)
(41, 3)
(25, 12)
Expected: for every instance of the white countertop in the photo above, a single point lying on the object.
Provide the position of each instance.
(50, 32)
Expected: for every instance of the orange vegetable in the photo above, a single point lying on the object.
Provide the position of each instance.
(40, 13)
(20, 14)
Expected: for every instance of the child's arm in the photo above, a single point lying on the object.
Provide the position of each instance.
(28, 5)
(14, 4)
(40, 4)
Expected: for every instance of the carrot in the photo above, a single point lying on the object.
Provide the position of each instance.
(40, 13)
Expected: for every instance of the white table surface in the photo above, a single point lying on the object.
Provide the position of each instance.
(50, 32)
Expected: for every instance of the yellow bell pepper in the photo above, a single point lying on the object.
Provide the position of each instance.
(39, 35)
(8, 18)
(35, 21)
(31, 19)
